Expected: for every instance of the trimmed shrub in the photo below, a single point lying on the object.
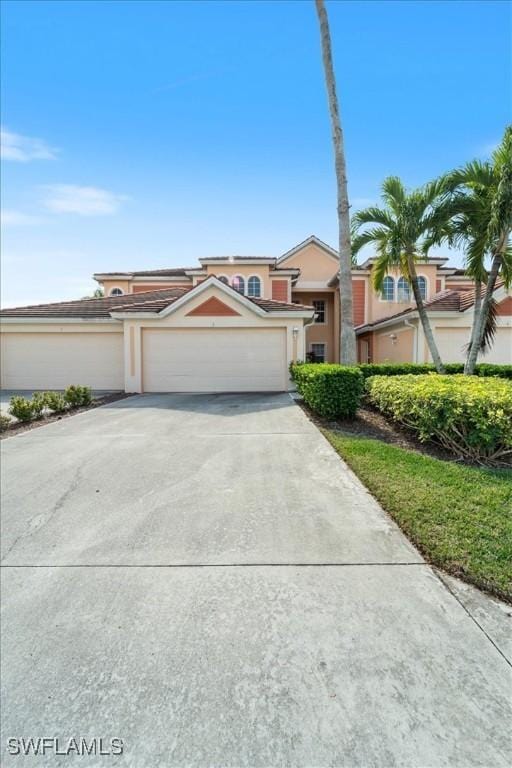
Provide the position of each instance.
(470, 417)
(417, 369)
(55, 401)
(330, 390)
(21, 408)
(4, 422)
(76, 395)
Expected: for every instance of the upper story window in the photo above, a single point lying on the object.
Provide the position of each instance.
(223, 279)
(254, 286)
(319, 305)
(403, 290)
(388, 289)
(116, 292)
(422, 285)
(238, 283)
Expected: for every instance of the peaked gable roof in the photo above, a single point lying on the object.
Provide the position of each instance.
(154, 302)
(311, 240)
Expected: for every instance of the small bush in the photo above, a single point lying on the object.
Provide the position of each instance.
(330, 390)
(490, 369)
(76, 395)
(4, 422)
(21, 408)
(468, 416)
(38, 404)
(55, 401)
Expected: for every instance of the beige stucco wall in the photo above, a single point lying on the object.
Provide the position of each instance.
(315, 264)
(316, 332)
(246, 271)
(123, 284)
(389, 350)
(377, 308)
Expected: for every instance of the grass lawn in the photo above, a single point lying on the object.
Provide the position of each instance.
(459, 517)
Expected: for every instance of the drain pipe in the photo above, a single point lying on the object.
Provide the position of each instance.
(415, 342)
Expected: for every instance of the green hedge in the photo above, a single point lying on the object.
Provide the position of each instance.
(330, 390)
(468, 416)
(401, 369)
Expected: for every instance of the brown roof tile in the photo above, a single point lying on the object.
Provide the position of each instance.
(143, 301)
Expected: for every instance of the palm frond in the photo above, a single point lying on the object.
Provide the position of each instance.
(491, 324)
(372, 215)
(375, 235)
(393, 193)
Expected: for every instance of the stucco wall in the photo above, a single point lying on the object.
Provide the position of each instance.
(386, 349)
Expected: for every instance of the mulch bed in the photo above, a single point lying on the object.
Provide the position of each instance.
(370, 423)
(18, 426)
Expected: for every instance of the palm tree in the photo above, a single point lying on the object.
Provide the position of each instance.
(348, 354)
(401, 231)
(482, 222)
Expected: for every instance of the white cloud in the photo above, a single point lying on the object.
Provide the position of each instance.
(10, 218)
(22, 149)
(85, 201)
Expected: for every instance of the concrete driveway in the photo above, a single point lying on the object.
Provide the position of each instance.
(201, 577)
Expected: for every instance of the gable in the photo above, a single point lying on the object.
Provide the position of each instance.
(212, 307)
(314, 262)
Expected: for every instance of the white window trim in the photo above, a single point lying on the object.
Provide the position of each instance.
(427, 287)
(318, 344)
(242, 293)
(404, 301)
(393, 300)
(116, 288)
(247, 287)
(325, 311)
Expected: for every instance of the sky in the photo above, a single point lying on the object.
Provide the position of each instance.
(141, 135)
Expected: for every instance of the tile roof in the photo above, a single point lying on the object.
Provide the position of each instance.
(144, 301)
(171, 272)
(450, 300)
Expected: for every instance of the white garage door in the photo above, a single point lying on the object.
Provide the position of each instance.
(56, 360)
(451, 342)
(214, 360)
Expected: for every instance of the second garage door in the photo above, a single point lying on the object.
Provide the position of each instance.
(214, 360)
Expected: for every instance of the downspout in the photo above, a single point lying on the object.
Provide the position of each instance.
(415, 341)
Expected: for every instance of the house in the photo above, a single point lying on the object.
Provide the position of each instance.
(235, 324)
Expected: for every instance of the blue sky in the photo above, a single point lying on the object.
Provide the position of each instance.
(148, 134)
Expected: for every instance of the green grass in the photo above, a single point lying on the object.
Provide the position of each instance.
(459, 517)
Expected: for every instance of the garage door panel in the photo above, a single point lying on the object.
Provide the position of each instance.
(56, 360)
(214, 360)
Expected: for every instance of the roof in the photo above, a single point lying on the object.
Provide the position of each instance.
(450, 300)
(144, 301)
(166, 272)
(311, 240)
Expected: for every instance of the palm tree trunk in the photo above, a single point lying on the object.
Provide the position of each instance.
(348, 354)
(476, 318)
(422, 312)
(481, 320)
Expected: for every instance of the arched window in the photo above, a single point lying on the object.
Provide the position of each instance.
(116, 292)
(422, 285)
(388, 289)
(223, 279)
(254, 286)
(403, 290)
(238, 283)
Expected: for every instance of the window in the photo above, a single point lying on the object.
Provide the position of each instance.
(403, 290)
(238, 283)
(223, 279)
(254, 286)
(116, 292)
(388, 289)
(319, 305)
(422, 285)
(318, 353)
